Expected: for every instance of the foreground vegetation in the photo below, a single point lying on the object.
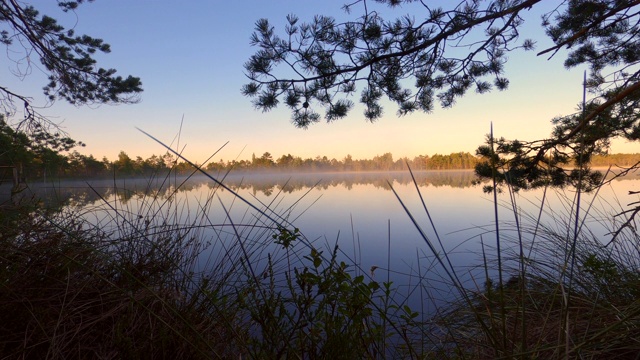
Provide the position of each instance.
(151, 281)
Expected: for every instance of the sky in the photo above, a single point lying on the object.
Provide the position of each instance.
(189, 56)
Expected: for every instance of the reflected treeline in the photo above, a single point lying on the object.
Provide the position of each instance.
(288, 183)
(72, 193)
(81, 193)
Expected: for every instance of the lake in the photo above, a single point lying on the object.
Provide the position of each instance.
(357, 211)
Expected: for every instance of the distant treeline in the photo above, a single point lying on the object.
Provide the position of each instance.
(81, 165)
(624, 160)
(75, 165)
(384, 162)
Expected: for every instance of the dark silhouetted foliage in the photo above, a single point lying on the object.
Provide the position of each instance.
(433, 55)
(67, 58)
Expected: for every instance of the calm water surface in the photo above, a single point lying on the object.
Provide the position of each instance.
(357, 211)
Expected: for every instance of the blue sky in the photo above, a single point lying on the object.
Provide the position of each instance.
(189, 55)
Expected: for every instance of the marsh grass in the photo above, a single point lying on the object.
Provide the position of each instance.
(71, 289)
(567, 292)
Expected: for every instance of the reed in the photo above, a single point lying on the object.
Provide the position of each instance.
(568, 293)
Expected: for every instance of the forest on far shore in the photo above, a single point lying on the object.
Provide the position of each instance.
(42, 164)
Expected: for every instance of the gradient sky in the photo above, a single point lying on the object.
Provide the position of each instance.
(189, 55)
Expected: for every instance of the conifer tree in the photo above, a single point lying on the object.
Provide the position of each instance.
(67, 58)
(435, 55)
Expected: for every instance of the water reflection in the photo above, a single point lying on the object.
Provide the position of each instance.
(288, 183)
(79, 193)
